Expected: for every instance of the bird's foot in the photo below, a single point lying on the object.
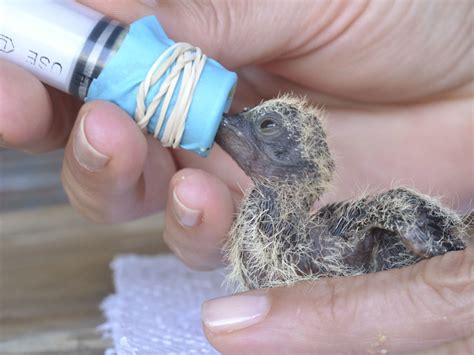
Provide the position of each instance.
(433, 234)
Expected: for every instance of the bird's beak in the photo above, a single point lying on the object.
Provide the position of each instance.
(231, 135)
(225, 123)
(229, 129)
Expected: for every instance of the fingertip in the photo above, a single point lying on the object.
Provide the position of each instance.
(199, 215)
(85, 152)
(105, 135)
(104, 164)
(26, 115)
(197, 190)
(111, 130)
(231, 313)
(187, 216)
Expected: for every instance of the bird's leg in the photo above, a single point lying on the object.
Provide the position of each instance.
(374, 224)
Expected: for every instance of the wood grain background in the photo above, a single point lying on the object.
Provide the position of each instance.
(54, 265)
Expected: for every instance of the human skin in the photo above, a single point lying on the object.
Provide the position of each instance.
(397, 81)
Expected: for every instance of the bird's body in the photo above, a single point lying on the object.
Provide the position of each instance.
(277, 239)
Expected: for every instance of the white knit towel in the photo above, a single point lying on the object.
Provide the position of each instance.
(156, 307)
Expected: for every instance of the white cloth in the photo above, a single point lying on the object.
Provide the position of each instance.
(156, 307)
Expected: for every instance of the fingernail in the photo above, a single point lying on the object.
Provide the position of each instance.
(227, 314)
(86, 155)
(186, 216)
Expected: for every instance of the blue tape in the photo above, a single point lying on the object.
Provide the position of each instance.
(119, 82)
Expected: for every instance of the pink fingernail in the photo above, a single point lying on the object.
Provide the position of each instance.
(86, 154)
(227, 314)
(186, 216)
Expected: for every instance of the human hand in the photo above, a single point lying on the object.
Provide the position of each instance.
(395, 78)
(389, 120)
(427, 308)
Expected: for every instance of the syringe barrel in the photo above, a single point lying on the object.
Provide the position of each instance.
(79, 51)
(63, 43)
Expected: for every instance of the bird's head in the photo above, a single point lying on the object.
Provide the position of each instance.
(281, 139)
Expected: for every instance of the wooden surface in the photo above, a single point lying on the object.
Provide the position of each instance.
(28, 181)
(54, 273)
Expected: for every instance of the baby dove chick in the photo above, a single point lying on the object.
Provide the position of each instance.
(275, 240)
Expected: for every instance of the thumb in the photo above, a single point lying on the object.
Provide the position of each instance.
(402, 310)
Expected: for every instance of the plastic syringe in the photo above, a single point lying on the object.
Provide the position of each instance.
(82, 52)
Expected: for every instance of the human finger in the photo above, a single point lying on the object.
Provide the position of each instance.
(236, 33)
(426, 146)
(293, 38)
(199, 214)
(28, 119)
(408, 309)
(111, 171)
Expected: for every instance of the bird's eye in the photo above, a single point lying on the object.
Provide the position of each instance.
(269, 126)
